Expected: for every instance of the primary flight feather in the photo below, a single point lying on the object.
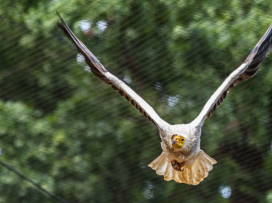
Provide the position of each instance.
(182, 159)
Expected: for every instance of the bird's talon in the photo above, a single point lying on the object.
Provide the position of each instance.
(178, 166)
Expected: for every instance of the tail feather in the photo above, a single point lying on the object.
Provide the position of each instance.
(198, 172)
(176, 176)
(162, 170)
(197, 178)
(203, 165)
(155, 161)
(191, 177)
(183, 177)
(168, 173)
(159, 164)
(192, 174)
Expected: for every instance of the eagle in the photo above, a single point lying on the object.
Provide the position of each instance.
(181, 159)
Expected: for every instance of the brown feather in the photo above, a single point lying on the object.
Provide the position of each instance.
(257, 55)
(96, 67)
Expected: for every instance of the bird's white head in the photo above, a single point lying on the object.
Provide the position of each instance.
(177, 141)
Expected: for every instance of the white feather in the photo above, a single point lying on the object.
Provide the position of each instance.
(192, 174)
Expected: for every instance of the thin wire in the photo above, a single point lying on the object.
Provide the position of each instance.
(32, 182)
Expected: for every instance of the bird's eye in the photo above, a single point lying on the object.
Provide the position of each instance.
(182, 139)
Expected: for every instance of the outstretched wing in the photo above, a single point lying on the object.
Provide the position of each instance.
(247, 70)
(119, 86)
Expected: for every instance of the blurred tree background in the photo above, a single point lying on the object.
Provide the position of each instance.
(66, 130)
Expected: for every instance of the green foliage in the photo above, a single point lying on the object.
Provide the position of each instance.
(77, 138)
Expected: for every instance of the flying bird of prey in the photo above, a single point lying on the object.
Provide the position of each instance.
(181, 158)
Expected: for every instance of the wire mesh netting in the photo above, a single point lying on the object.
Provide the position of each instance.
(68, 137)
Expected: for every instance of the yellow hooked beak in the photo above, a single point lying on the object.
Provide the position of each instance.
(177, 141)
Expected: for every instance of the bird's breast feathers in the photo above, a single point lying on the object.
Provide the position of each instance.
(191, 145)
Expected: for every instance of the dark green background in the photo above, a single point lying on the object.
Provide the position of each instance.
(72, 134)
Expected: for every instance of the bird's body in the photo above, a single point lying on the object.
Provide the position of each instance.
(181, 159)
(195, 163)
(191, 146)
